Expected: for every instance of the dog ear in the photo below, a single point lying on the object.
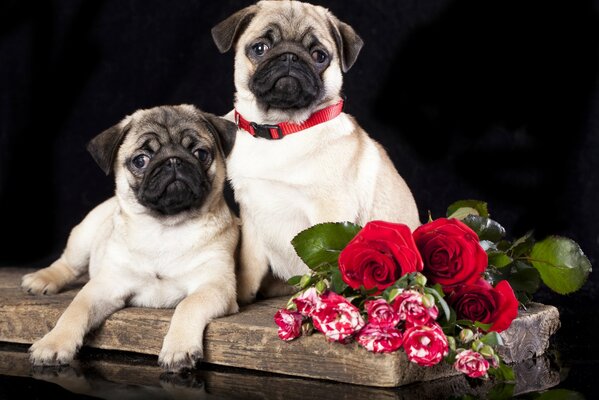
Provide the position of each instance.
(348, 43)
(226, 32)
(223, 131)
(103, 147)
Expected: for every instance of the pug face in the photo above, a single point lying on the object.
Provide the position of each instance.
(290, 55)
(167, 160)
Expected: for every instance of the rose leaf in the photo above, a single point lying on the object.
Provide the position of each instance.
(561, 263)
(322, 243)
(462, 208)
(485, 228)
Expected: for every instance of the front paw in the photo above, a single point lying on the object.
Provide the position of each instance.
(44, 281)
(53, 350)
(177, 358)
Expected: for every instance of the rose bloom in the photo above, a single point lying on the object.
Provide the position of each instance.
(471, 363)
(409, 307)
(289, 323)
(381, 313)
(378, 256)
(425, 345)
(484, 303)
(337, 318)
(451, 252)
(307, 302)
(380, 338)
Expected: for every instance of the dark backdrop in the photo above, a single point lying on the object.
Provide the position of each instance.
(495, 100)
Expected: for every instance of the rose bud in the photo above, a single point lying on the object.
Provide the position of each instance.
(466, 335)
(428, 300)
(487, 351)
(420, 279)
(452, 342)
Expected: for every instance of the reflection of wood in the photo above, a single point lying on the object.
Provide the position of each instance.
(249, 339)
(116, 377)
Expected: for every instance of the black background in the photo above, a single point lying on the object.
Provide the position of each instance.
(496, 100)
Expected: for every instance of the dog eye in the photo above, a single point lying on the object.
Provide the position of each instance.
(202, 154)
(260, 48)
(141, 161)
(319, 56)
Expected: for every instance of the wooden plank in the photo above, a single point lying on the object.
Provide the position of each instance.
(120, 376)
(248, 339)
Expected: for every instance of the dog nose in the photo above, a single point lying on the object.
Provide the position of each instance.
(289, 57)
(174, 162)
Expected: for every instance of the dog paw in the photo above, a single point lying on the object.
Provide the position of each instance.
(40, 282)
(180, 360)
(52, 351)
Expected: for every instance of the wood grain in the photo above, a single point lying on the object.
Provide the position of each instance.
(249, 339)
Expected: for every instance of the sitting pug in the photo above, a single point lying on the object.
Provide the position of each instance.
(166, 239)
(298, 160)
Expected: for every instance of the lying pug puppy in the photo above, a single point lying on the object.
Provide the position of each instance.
(167, 238)
(298, 159)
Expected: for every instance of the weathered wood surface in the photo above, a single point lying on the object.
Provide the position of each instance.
(116, 376)
(249, 339)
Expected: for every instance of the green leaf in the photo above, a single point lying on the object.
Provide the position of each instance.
(462, 208)
(499, 259)
(524, 278)
(522, 245)
(503, 373)
(337, 283)
(563, 266)
(492, 339)
(322, 243)
(485, 228)
(294, 280)
(440, 301)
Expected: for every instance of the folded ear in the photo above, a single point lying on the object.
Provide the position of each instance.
(348, 42)
(226, 33)
(224, 132)
(104, 147)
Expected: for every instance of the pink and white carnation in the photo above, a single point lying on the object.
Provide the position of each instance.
(381, 313)
(308, 302)
(380, 338)
(289, 323)
(425, 345)
(471, 363)
(337, 318)
(410, 308)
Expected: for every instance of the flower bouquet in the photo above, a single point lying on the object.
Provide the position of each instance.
(440, 293)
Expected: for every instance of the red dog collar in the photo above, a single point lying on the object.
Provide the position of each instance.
(287, 128)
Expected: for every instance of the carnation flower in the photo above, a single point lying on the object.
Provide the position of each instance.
(425, 345)
(471, 363)
(308, 301)
(337, 318)
(380, 338)
(381, 313)
(409, 307)
(289, 323)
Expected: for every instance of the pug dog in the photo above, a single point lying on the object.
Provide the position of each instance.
(166, 239)
(298, 160)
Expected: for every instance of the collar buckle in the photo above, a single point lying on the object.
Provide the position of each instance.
(265, 131)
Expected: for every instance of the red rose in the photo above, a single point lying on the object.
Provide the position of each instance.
(289, 323)
(381, 313)
(380, 338)
(425, 345)
(379, 255)
(410, 309)
(451, 252)
(487, 304)
(471, 363)
(337, 318)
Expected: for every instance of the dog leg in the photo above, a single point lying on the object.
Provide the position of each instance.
(90, 307)
(182, 346)
(253, 265)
